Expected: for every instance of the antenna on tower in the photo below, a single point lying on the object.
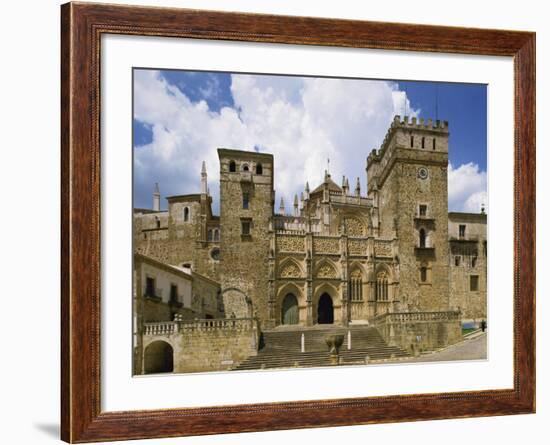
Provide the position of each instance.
(436, 101)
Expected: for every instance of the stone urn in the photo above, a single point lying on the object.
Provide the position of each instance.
(334, 342)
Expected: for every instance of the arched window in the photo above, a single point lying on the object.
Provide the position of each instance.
(216, 234)
(382, 286)
(245, 168)
(412, 141)
(422, 238)
(423, 142)
(259, 169)
(186, 214)
(232, 166)
(356, 286)
(157, 221)
(210, 235)
(433, 144)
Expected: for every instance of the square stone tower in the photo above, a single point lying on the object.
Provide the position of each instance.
(246, 210)
(407, 179)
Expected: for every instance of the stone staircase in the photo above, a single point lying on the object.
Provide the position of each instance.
(281, 347)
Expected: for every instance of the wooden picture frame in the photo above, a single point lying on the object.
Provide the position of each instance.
(82, 26)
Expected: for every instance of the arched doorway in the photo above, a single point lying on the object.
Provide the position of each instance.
(289, 310)
(325, 310)
(158, 358)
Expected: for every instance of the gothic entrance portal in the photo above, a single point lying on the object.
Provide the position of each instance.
(289, 311)
(325, 310)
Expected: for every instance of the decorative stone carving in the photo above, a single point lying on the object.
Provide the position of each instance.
(354, 227)
(326, 245)
(382, 249)
(290, 243)
(326, 271)
(357, 247)
(290, 270)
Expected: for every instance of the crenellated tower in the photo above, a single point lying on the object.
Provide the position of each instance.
(407, 180)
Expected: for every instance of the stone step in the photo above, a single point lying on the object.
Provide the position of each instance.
(282, 348)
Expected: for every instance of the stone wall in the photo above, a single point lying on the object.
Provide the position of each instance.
(467, 258)
(420, 331)
(206, 345)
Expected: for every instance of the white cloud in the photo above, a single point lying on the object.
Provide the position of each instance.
(302, 121)
(467, 188)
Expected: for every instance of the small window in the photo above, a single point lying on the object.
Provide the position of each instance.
(245, 168)
(423, 274)
(210, 235)
(422, 209)
(433, 144)
(216, 234)
(474, 261)
(149, 287)
(232, 166)
(246, 197)
(157, 221)
(423, 142)
(186, 214)
(422, 238)
(457, 260)
(461, 230)
(412, 141)
(173, 293)
(259, 169)
(245, 228)
(474, 283)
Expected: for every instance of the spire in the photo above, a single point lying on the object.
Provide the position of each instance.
(282, 206)
(357, 188)
(307, 190)
(156, 198)
(296, 205)
(345, 186)
(327, 176)
(204, 183)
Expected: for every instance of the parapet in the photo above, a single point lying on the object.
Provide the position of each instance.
(421, 124)
(437, 126)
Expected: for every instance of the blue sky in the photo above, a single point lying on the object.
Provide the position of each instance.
(182, 117)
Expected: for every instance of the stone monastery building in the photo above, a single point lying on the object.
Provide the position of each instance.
(345, 256)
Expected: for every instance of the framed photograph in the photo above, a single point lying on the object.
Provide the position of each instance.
(275, 222)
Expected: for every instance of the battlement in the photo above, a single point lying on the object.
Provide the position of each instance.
(421, 123)
(436, 128)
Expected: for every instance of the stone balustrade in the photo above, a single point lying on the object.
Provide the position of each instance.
(414, 317)
(202, 325)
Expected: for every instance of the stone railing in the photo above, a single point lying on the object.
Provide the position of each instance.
(219, 324)
(159, 328)
(414, 317)
(203, 325)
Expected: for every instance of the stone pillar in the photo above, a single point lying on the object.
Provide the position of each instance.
(309, 279)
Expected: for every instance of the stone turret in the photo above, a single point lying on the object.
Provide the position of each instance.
(156, 198)
(357, 188)
(296, 211)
